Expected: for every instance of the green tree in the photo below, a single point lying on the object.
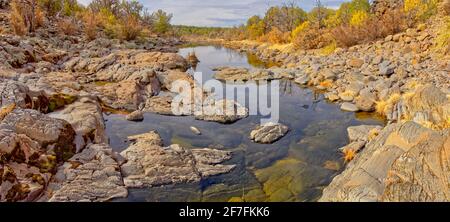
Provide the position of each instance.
(161, 21)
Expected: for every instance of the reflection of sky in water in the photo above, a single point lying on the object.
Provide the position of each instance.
(291, 169)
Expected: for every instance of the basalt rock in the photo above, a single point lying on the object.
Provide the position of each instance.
(268, 133)
(54, 135)
(90, 176)
(405, 162)
(85, 116)
(151, 164)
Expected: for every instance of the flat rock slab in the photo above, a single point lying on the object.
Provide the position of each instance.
(151, 164)
(350, 107)
(90, 176)
(268, 133)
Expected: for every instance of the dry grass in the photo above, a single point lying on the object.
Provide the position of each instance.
(326, 84)
(4, 111)
(25, 17)
(130, 29)
(312, 39)
(91, 23)
(382, 107)
(373, 133)
(17, 18)
(349, 155)
(67, 26)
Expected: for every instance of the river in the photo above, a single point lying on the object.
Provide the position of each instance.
(295, 168)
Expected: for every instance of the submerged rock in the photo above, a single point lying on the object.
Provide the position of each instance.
(151, 164)
(195, 130)
(222, 111)
(135, 116)
(268, 133)
(244, 74)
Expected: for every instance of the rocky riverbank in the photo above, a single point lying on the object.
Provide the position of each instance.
(400, 78)
(55, 90)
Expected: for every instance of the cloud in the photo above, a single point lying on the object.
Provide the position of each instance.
(220, 12)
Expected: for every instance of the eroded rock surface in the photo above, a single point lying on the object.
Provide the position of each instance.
(92, 175)
(405, 162)
(151, 164)
(268, 133)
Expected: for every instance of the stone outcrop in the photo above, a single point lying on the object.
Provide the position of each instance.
(222, 111)
(18, 93)
(380, 7)
(405, 162)
(85, 116)
(92, 175)
(268, 133)
(31, 147)
(244, 74)
(151, 164)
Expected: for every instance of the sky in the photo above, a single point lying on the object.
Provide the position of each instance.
(223, 13)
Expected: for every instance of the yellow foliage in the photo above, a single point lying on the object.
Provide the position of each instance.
(382, 107)
(349, 155)
(4, 111)
(373, 133)
(329, 49)
(420, 9)
(326, 83)
(442, 41)
(358, 18)
(301, 28)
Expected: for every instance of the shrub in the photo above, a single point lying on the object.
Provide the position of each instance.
(67, 26)
(17, 18)
(129, 28)
(275, 36)
(25, 16)
(420, 10)
(312, 38)
(329, 49)
(446, 7)
(442, 42)
(301, 28)
(372, 28)
(51, 7)
(91, 22)
(359, 18)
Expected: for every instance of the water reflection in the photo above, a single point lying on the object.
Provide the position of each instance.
(295, 168)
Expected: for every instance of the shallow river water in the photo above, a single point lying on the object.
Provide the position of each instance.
(295, 168)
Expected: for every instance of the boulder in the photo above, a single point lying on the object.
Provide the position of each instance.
(151, 164)
(86, 117)
(54, 135)
(355, 63)
(222, 111)
(92, 175)
(361, 133)
(135, 116)
(268, 133)
(350, 107)
(405, 162)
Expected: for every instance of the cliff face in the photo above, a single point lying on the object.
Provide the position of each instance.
(379, 7)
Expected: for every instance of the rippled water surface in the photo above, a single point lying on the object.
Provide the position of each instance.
(295, 168)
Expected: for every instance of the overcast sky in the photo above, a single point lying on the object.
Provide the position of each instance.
(219, 12)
